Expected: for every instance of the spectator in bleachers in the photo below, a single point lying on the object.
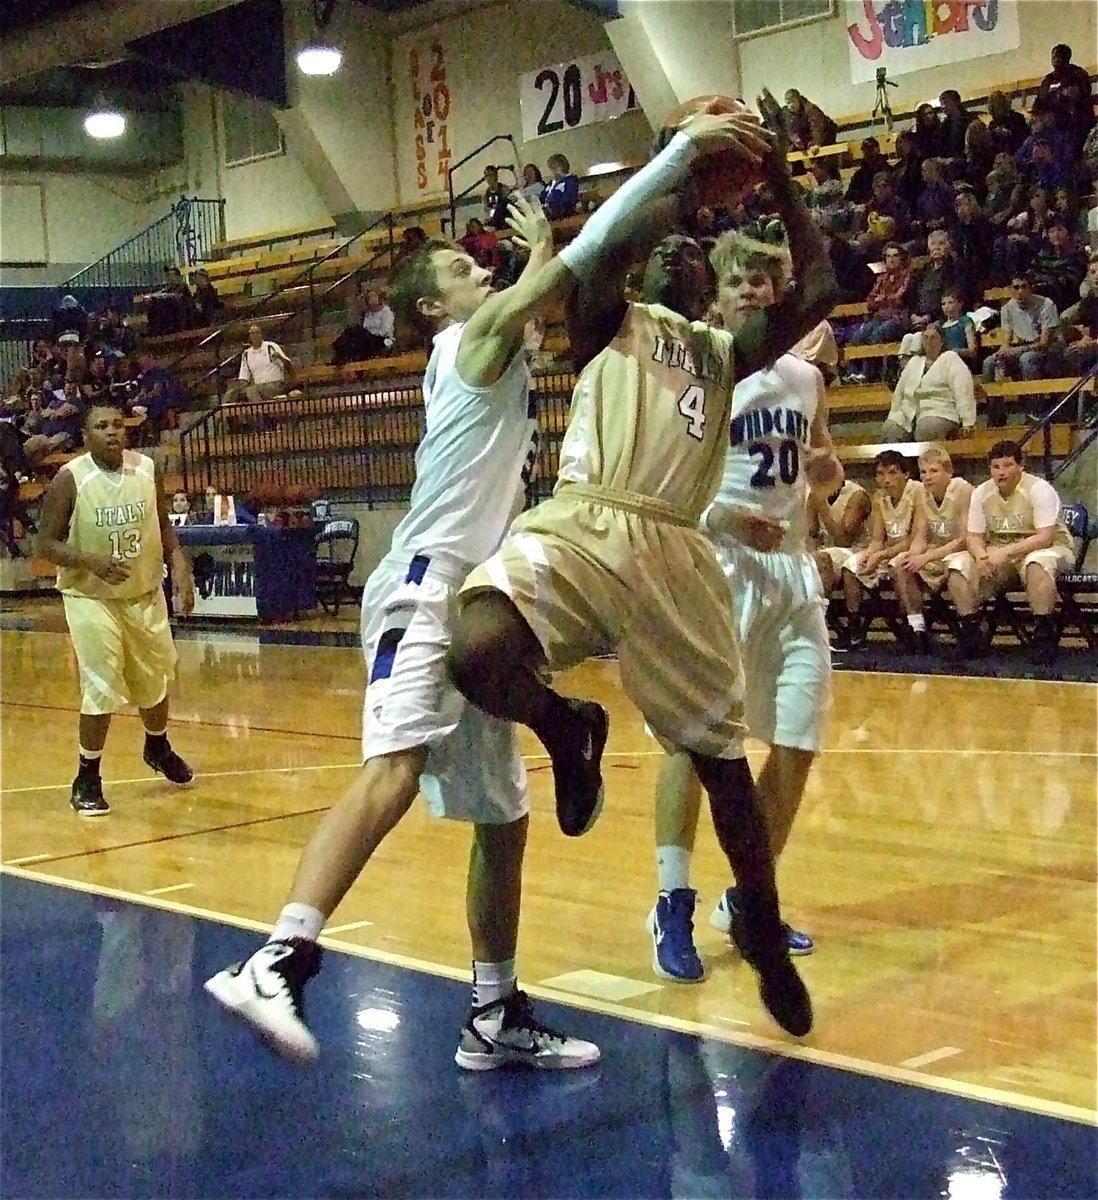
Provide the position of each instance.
(180, 513)
(1080, 321)
(481, 244)
(561, 195)
(113, 336)
(958, 329)
(973, 238)
(907, 175)
(533, 185)
(1088, 164)
(495, 199)
(940, 271)
(371, 331)
(1015, 538)
(934, 398)
(1031, 336)
(1067, 85)
(69, 322)
(934, 205)
(63, 416)
(158, 394)
(1008, 127)
(889, 302)
(826, 189)
(1045, 157)
(884, 205)
(852, 273)
(927, 133)
(979, 156)
(806, 123)
(1058, 266)
(168, 308)
(954, 122)
(1024, 232)
(411, 240)
(206, 301)
(1003, 190)
(265, 370)
(938, 541)
(839, 526)
(96, 383)
(890, 526)
(860, 188)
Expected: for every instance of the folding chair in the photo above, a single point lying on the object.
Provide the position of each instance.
(336, 547)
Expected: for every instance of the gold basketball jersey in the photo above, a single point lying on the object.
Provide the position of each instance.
(115, 514)
(897, 517)
(1010, 518)
(943, 520)
(837, 507)
(650, 412)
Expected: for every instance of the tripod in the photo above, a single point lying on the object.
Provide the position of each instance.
(882, 105)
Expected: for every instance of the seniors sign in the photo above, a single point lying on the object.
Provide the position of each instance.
(911, 35)
(568, 94)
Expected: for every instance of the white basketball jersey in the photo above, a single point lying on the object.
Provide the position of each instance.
(769, 434)
(478, 448)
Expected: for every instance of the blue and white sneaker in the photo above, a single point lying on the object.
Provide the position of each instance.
(671, 924)
(721, 918)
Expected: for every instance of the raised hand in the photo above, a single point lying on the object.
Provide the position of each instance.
(771, 112)
(740, 131)
(529, 225)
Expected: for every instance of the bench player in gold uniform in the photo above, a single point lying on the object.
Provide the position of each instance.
(105, 525)
(615, 561)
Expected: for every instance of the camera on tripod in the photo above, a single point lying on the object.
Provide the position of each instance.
(882, 105)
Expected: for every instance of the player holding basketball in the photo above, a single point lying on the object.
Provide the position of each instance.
(779, 448)
(105, 524)
(614, 561)
(418, 731)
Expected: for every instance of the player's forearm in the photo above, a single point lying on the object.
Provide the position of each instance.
(935, 553)
(817, 289)
(1041, 540)
(977, 545)
(61, 554)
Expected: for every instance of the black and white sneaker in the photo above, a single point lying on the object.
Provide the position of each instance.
(781, 988)
(166, 762)
(577, 767)
(506, 1033)
(266, 991)
(87, 797)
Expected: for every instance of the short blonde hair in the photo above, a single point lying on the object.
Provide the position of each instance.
(936, 454)
(734, 249)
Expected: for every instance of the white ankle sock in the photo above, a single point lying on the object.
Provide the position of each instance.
(492, 981)
(917, 622)
(672, 867)
(298, 920)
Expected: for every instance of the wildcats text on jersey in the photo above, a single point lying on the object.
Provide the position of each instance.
(678, 355)
(120, 514)
(767, 422)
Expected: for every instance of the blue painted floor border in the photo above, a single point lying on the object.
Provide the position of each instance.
(119, 1078)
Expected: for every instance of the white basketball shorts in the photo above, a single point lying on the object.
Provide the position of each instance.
(474, 771)
(778, 609)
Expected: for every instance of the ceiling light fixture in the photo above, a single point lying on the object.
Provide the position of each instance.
(319, 60)
(104, 122)
(320, 57)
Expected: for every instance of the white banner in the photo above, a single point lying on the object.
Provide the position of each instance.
(568, 94)
(911, 35)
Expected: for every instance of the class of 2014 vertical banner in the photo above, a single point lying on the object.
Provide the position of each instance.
(430, 115)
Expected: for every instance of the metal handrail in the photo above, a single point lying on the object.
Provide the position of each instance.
(500, 137)
(178, 217)
(306, 274)
(1044, 426)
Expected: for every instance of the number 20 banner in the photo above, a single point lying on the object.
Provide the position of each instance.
(580, 92)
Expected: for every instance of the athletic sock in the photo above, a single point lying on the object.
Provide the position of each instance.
(300, 921)
(89, 761)
(672, 868)
(156, 743)
(492, 981)
(917, 622)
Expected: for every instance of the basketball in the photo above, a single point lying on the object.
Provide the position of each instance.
(721, 179)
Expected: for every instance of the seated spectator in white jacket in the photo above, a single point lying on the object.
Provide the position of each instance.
(934, 397)
(265, 369)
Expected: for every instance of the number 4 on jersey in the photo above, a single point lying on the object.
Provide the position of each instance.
(692, 407)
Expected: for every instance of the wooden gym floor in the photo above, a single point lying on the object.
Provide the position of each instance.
(944, 858)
